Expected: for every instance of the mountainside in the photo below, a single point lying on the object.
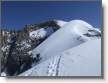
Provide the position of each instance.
(16, 46)
(70, 35)
(77, 61)
(43, 45)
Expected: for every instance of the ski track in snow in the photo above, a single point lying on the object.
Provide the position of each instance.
(53, 67)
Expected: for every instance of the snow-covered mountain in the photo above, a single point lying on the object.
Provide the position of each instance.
(53, 48)
(17, 46)
(70, 35)
(82, 60)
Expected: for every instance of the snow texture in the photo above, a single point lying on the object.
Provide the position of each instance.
(70, 35)
(77, 61)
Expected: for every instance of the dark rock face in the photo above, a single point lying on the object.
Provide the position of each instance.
(97, 34)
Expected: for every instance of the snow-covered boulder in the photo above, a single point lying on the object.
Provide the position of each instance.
(3, 74)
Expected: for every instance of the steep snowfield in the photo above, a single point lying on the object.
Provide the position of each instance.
(82, 60)
(70, 35)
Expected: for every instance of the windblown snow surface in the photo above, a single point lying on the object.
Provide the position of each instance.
(73, 50)
(83, 60)
(70, 35)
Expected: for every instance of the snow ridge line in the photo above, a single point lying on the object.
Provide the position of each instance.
(53, 67)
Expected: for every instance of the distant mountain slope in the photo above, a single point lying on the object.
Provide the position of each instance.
(82, 60)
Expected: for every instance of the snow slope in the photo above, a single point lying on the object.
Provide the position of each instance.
(82, 60)
(70, 35)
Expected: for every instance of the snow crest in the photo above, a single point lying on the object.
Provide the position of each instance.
(70, 35)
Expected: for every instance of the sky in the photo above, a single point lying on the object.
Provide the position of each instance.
(17, 14)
